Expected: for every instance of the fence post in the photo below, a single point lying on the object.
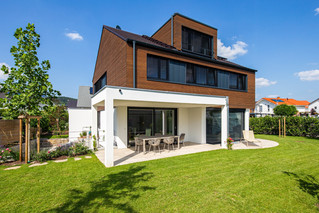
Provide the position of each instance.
(279, 127)
(26, 141)
(38, 135)
(20, 139)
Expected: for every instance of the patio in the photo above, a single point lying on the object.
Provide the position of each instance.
(127, 156)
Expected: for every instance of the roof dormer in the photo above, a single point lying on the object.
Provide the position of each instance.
(189, 35)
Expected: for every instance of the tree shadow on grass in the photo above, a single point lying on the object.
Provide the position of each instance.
(115, 191)
(307, 183)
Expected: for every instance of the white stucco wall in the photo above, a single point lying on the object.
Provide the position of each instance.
(197, 125)
(182, 123)
(315, 106)
(264, 104)
(78, 120)
(120, 126)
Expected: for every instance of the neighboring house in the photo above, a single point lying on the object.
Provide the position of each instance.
(170, 83)
(314, 105)
(80, 116)
(265, 106)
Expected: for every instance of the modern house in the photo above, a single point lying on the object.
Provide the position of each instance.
(314, 106)
(172, 82)
(265, 106)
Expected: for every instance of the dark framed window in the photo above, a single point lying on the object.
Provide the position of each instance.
(196, 42)
(174, 71)
(211, 77)
(100, 83)
(157, 67)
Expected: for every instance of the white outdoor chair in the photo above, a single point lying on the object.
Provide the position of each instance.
(249, 137)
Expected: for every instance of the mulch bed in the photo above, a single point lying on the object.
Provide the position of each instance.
(13, 163)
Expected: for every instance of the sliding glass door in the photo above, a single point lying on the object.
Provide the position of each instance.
(213, 125)
(151, 121)
(236, 123)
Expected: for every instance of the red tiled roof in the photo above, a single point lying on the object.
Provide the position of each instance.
(288, 101)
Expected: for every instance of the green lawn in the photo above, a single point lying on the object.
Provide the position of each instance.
(280, 179)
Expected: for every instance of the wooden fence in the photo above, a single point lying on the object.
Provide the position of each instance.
(9, 131)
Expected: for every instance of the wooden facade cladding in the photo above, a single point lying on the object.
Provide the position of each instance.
(164, 33)
(112, 59)
(237, 99)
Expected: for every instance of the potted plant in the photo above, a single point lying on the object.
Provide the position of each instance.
(230, 143)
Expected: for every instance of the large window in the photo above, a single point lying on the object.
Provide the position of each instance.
(100, 83)
(162, 69)
(157, 67)
(196, 42)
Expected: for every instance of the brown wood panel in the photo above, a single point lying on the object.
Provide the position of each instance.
(111, 59)
(180, 21)
(164, 34)
(237, 99)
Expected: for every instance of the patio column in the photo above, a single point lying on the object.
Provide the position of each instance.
(94, 121)
(203, 122)
(247, 113)
(109, 130)
(224, 125)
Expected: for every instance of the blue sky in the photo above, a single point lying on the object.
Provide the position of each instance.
(278, 38)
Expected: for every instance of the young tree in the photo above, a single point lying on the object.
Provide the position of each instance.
(27, 87)
(285, 110)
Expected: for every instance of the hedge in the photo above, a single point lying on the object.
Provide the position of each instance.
(295, 126)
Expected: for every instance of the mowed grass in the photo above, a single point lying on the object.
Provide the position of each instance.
(280, 179)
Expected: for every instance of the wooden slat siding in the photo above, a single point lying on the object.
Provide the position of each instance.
(237, 99)
(180, 21)
(164, 34)
(111, 59)
(9, 131)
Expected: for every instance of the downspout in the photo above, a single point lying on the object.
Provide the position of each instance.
(172, 31)
(134, 66)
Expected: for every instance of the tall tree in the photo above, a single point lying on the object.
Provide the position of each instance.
(27, 87)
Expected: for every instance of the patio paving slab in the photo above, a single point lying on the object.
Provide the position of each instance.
(76, 159)
(127, 156)
(88, 156)
(38, 164)
(60, 161)
(12, 168)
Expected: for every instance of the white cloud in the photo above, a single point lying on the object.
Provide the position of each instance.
(317, 11)
(2, 75)
(273, 96)
(233, 51)
(263, 82)
(74, 36)
(311, 75)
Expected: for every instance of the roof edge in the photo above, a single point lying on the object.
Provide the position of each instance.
(191, 55)
(186, 18)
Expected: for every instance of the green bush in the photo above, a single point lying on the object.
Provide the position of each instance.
(295, 126)
(7, 154)
(78, 149)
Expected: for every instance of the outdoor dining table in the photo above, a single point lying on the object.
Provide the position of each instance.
(145, 138)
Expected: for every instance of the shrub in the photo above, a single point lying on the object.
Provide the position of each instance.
(78, 149)
(42, 156)
(295, 126)
(285, 110)
(7, 154)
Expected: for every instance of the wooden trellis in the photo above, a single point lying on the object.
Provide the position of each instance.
(27, 136)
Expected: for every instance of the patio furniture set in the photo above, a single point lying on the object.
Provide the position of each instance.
(156, 141)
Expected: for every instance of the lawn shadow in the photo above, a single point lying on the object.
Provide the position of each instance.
(115, 191)
(307, 183)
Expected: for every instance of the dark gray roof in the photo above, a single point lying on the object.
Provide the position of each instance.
(72, 103)
(84, 97)
(151, 42)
